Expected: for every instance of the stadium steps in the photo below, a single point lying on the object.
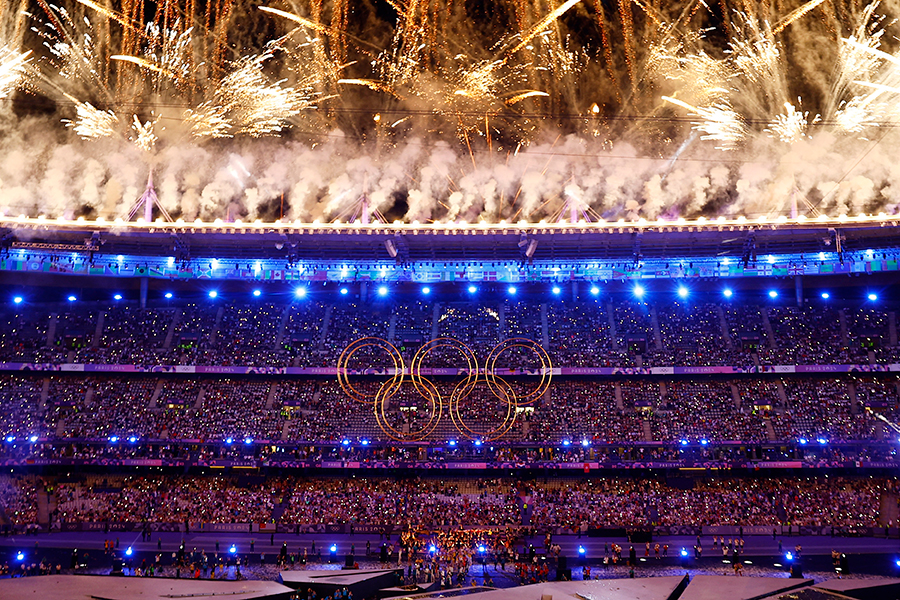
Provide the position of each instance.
(392, 328)
(723, 328)
(156, 392)
(770, 431)
(845, 336)
(170, 331)
(215, 330)
(648, 431)
(43, 506)
(323, 335)
(51, 330)
(273, 393)
(545, 327)
(888, 512)
(657, 334)
(767, 325)
(611, 320)
(98, 331)
(892, 328)
(282, 326)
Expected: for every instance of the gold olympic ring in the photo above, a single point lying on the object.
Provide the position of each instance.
(436, 406)
(499, 387)
(357, 345)
(546, 366)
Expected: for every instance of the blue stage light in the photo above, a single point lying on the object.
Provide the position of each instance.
(344, 291)
(168, 295)
(17, 300)
(727, 293)
(33, 439)
(257, 293)
(825, 295)
(233, 549)
(595, 290)
(511, 290)
(556, 290)
(773, 294)
(113, 438)
(682, 292)
(638, 291)
(872, 297)
(229, 440)
(248, 440)
(213, 293)
(382, 291)
(581, 550)
(128, 551)
(117, 297)
(472, 289)
(426, 290)
(71, 298)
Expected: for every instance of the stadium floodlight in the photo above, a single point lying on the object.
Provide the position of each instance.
(382, 291)
(872, 297)
(727, 293)
(257, 293)
(71, 298)
(17, 300)
(300, 292)
(682, 292)
(556, 290)
(168, 295)
(213, 293)
(594, 290)
(825, 295)
(117, 297)
(472, 289)
(773, 294)
(344, 291)
(426, 290)
(638, 291)
(511, 290)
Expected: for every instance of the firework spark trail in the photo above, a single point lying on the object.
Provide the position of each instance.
(541, 25)
(794, 15)
(12, 69)
(145, 64)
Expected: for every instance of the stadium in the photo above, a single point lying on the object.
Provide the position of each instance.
(364, 329)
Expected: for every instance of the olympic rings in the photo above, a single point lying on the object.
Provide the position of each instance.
(500, 388)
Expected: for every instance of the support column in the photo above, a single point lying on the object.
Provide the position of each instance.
(798, 289)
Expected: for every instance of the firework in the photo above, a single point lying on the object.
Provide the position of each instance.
(12, 69)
